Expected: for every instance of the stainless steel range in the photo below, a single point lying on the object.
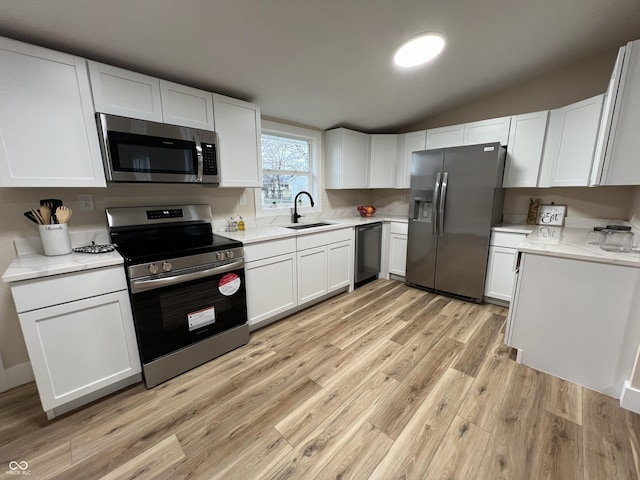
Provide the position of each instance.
(186, 284)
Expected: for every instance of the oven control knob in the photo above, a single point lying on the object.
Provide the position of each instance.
(153, 269)
(166, 266)
(220, 255)
(230, 254)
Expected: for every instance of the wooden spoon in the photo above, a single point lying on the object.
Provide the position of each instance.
(45, 211)
(36, 213)
(63, 214)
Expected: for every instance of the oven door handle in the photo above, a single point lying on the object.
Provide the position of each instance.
(138, 286)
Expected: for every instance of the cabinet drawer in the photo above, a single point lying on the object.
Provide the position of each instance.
(57, 289)
(325, 238)
(400, 228)
(504, 239)
(258, 251)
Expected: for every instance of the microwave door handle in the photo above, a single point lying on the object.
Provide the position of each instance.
(200, 174)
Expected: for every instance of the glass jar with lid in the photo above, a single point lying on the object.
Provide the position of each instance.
(617, 238)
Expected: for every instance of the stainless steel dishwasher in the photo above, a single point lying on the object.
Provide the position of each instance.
(368, 250)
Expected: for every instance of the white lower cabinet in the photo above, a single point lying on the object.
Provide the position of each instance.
(271, 287)
(312, 274)
(398, 248)
(501, 266)
(79, 333)
(284, 275)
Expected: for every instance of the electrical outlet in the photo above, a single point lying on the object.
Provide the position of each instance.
(86, 202)
(243, 199)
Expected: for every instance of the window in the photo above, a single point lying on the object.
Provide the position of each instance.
(289, 166)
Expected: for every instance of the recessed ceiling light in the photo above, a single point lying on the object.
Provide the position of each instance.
(419, 50)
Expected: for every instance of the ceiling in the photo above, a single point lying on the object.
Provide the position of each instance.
(327, 63)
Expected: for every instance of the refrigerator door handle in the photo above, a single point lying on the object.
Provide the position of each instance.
(443, 201)
(434, 204)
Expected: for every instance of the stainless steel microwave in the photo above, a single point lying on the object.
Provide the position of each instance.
(142, 151)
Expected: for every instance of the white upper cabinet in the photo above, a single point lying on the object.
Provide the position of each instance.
(411, 142)
(383, 160)
(186, 106)
(571, 143)
(121, 92)
(238, 127)
(621, 165)
(524, 149)
(347, 159)
(48, 134)
(444, 137)
(130, 94)
(487, 131)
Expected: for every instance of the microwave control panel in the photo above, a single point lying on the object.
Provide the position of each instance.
(210, 166)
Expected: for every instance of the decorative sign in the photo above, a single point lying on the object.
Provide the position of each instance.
(551, 215)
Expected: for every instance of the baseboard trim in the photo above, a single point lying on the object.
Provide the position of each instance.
(18, 375)
(630, 398)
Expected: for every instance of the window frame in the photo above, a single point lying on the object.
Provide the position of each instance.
(314, 137)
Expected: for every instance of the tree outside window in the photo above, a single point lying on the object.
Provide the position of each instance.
(286, 169)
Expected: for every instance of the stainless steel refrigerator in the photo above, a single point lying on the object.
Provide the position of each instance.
(455, 199)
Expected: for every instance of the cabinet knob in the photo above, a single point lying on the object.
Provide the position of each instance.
(230, 254)
(153, 269)
(166, 266)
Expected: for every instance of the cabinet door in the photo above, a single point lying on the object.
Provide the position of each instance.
(121, 92)
(271, 287)
(524, 149)
(384, 158)
(621, 158)
(186, 106)
(397, 254)
(80, 347)
(444, 137)
(312, 274)
(500, 273)
(347, 159)
(487, 131)
(572, 157)
(340, 265)
(238, 127)
(413, 142)
(48, 135)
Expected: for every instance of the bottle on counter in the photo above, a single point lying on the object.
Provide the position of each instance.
(241, 225)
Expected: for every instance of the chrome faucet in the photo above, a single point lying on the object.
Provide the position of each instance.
(295, 215)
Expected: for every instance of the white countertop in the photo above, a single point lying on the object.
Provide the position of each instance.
(36, 265)
(520, 228)
(274, 232)
(572, 243)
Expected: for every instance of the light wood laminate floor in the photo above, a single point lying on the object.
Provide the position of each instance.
(382, 383)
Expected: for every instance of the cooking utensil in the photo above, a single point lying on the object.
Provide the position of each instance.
(53, 204)
(45, 211)
(63, 214)
(38, 216)
(31, 217)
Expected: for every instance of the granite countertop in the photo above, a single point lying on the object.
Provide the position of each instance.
(274, 232)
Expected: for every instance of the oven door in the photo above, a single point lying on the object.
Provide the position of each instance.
(177, 310)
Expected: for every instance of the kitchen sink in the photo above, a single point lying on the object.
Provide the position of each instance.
(302, 226)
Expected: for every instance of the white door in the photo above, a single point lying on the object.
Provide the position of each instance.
(340, 265)
(238, 127)
(500, 273)
(384, 158)
(397, 254)
(186, 106)
(271, 287)
(444, 137)
(487, 131)
(524, 149)
(312, 274)
(48, 135)
(121, 92)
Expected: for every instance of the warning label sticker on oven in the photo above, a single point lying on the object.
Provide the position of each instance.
(229, 284)
(201, 318)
